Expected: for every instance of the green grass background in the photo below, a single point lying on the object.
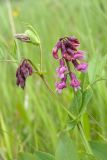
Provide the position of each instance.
(32, 119)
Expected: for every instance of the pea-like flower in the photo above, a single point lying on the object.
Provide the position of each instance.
(61, 85)
(61, 69)
(23, 71)
(80, 67)
(74, 82)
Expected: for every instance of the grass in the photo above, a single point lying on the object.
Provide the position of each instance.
(32, 119)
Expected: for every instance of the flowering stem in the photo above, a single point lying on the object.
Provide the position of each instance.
(86, 144)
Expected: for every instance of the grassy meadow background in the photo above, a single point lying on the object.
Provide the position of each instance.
(32, 119)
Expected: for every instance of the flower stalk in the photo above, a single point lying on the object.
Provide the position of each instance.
(41, 57)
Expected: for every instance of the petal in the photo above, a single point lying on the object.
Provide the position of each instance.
(78, 56)
(74, 41)
(82, 67)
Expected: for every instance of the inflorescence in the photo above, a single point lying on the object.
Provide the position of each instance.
(69, 54)
(24, 70)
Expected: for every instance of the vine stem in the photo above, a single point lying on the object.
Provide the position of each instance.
(98, 80)
(86, 144)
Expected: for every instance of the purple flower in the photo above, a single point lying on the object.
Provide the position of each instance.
(70, 51)
(55, 50)
(74, 41)
(78, 55)
(61, 85)
(74, 82)
(82, 67)
(23, 71)
(61, 69)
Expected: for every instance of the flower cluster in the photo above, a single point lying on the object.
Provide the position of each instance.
(23, 71)
(69, 54)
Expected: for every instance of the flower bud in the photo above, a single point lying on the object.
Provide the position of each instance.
(33, 37)
(29, 36)
(22, 37)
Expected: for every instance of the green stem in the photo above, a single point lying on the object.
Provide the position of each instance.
(36, 69)
(40, 57)
(86, 144)
(98, 80)
(47, 85)
(11, 20)
(9, 60)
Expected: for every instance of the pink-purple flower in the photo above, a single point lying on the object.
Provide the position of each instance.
(80, 66)
(74, 82)
(68, 46)
(61, 69)
(55, 50)
(61, 85)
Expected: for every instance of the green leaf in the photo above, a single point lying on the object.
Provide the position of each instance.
(38, 155)
(85, 156)
(96, 66)
(14, 48)
(71, 124)
(32, 33)
(76, 104)
(86, 97)
(84, 81)
(1, 53)
(33, 38)
(99, 149)
(66, 149)
(43, 156)
(26, 156)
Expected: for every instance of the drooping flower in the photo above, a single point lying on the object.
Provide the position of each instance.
(78, 55)
(55, 50)
(23, 71)
(74, 82)
(61, 85)
(74, 41)
(80, 67)
(61, 69)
